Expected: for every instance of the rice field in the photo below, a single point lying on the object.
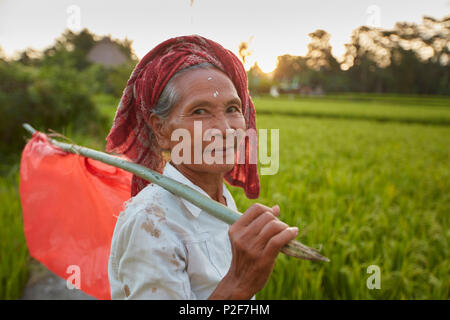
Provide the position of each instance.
(366, 193)
(366, 180)
(13, 251)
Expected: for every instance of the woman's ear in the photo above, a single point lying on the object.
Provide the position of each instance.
(160, 130)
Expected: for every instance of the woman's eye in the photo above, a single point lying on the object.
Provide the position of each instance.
(232, 109)
(199, 111)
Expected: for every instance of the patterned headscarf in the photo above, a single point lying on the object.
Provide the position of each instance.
(132, 136)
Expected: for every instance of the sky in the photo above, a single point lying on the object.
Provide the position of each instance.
(274, 27)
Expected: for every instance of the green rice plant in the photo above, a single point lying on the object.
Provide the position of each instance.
(431, 111)
(369, 193)
(14, 256)
(365, 192)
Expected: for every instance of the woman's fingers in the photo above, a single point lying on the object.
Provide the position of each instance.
(276, 210)
(256, 238)
(255, 227)
(271, 229)
(278, 241)
(255, 218)
(252, 213)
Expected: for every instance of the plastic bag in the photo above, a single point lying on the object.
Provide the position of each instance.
(70, 205)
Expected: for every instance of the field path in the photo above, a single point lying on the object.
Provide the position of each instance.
(45, 285)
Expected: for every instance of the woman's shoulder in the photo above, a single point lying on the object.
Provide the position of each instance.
(148, 223)
(154, 203)
(151, 194)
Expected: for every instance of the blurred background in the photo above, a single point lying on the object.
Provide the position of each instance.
(359, 90)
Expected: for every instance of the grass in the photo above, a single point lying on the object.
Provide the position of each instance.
(367, 192)
(433, 111)
(13, 251)
(14, 256)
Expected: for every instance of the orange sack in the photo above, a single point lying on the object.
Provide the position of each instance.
(70, 205)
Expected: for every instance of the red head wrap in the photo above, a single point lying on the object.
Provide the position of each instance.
(131, 135)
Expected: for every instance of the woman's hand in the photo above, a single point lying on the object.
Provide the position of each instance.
(256, 238)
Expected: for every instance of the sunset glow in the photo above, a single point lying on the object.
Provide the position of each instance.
(276, 28)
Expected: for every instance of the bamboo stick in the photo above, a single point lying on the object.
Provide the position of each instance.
(218, 210)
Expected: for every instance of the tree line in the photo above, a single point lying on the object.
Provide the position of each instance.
(409, 59)
(55, 87)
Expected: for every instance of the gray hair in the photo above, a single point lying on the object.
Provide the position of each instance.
(170, 95)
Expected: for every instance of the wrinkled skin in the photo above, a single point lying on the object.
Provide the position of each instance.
(257, 237)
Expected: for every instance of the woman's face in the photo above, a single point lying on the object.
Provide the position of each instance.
(208, 100)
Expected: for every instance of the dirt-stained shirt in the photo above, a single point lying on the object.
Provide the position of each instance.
(165, 247)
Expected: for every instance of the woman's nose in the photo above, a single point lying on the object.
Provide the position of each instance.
(222, 124)
(223, 128)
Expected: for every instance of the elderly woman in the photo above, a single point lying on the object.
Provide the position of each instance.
(163, 246)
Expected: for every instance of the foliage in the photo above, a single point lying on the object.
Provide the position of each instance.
(424, 110)
(117, 78)
(410, 59)
(47, 97)
(258, 82)
(366, 176)
(13, 250)
(70, 51)
(366, 193)
(244, 50)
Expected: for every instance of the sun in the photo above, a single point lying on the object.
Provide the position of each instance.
(266, 63)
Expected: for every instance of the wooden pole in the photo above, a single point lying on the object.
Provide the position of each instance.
(218, 210)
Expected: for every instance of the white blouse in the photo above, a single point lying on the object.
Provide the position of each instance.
(165, 247)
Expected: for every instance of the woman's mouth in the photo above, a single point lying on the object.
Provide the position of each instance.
(223, 150)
